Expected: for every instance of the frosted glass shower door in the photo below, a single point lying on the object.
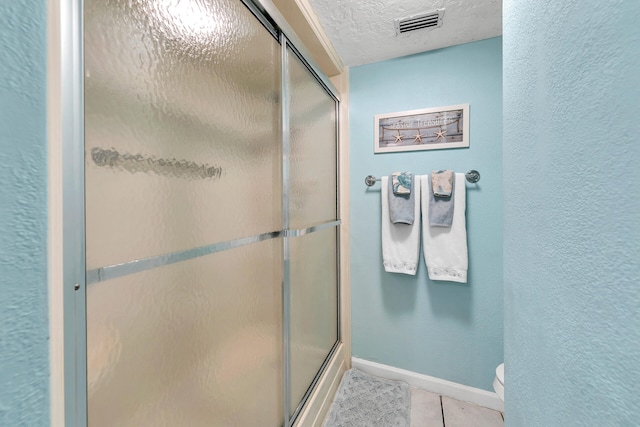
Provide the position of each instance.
(183, 215)
(313, 325)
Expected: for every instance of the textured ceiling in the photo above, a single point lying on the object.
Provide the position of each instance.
(363, 31)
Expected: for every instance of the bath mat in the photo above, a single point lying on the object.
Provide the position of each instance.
(363, 400)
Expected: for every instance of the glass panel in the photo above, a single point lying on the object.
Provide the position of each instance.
(197, 343)
(314, 307)
(313, 149)
(182, 127)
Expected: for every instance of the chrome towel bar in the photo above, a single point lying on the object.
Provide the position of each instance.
(472, 176)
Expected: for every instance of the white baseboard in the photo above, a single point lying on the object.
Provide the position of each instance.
(435, 385)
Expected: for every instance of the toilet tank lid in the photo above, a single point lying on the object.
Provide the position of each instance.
(500, 373)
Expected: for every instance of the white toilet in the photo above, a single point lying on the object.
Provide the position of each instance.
(498, 382)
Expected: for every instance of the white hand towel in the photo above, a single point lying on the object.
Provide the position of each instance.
(445, 249)
(400, 242)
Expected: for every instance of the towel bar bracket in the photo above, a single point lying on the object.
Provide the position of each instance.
(370, 180)
(472, 176)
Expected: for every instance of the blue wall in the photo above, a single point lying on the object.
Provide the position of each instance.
(447, 330)
(24, 354)
(571, 213)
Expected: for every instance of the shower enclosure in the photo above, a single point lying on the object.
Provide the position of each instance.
(211, 212)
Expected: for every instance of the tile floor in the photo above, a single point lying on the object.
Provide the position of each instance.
(432, 410)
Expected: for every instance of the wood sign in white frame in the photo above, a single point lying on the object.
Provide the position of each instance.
(425, 129)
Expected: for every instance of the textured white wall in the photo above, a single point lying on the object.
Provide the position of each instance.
(571, 203)
(24, 357)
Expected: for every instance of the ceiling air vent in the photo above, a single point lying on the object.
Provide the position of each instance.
(419, 22)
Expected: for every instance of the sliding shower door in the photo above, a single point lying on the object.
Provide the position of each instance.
(313, 212)
(183, 215)
(211, 216)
